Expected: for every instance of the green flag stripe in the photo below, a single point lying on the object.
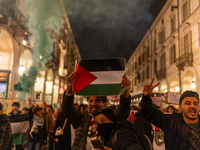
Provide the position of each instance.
(102, 89)
(18, 138)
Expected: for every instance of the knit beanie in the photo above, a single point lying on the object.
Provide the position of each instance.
(188, 94)
(16, 104)
(109, 113)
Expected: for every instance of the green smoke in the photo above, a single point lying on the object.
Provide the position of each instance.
(44, 15)
(27, 81)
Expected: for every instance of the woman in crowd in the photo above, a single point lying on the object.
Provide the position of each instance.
(36, 134)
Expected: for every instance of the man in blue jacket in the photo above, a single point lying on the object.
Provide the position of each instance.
(181, 131)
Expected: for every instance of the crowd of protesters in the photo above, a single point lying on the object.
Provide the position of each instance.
(112, 128)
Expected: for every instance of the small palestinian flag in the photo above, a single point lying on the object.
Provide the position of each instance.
(19, 125)
(98, 77)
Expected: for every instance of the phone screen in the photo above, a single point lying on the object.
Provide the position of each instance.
(97, 144)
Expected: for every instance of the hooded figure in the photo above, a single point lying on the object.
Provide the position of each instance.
(123, 131)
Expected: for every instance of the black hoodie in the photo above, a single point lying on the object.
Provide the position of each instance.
(5, 133)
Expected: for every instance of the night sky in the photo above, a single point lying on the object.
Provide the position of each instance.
(110, 29)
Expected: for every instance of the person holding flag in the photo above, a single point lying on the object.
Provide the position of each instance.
(85, 123)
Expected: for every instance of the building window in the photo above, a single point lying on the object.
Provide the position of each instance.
(147, 72)
(162, 36)
(139, 59)
(185, 10)
(143, 57)
(136, 80)
(148, 52)
(187, 45)
(154, 45)
(155, 66)
(143, 75)
(173, 24)
(133, 68)
(162, 61)
(173, 54)
(135, 65)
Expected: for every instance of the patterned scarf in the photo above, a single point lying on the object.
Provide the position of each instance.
(92, 131)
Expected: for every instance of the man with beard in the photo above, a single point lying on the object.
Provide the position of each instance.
(84, 123)
(181, 131)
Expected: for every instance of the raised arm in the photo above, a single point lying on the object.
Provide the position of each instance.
(151, 113)
(123, 109)
(67, 108)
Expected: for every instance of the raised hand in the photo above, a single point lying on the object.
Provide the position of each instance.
(69, 80)
(147, 89)
(125, 82)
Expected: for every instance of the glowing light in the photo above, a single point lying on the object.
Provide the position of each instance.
(24, 42)
(0, 56)
(38, 78)
(165, 91)
(40, 56)
(177, 88)
(47, 82)
(193, 85)
(54, 86)
(21, 70)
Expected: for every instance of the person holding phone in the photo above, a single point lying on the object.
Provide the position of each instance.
(181, 130)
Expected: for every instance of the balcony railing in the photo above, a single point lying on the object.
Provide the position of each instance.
(184, 60)
(161, 74)
(8, 8)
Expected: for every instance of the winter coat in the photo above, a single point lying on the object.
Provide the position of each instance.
(41, 130)
(48, 119)
(81, 122)
(126, 139)
(11, 114)
(141, 125)
(176, 131)
(5, 133)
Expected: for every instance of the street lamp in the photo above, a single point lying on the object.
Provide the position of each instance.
(0, 56)
(177, 88)
(193, 85)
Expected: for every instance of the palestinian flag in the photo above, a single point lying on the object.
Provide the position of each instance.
(98, 77)
(19, 125)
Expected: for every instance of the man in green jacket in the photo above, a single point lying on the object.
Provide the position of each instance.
(84, 123)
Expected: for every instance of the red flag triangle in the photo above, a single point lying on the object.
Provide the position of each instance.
(83, 78)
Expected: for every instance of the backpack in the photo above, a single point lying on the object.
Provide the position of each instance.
(144, 140)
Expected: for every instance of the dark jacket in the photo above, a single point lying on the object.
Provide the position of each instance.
(80, 122)
(64, 141)
(126, 139)
(176, 131)
(11, 114)
(41, 130)
(5, 133)
(141, 125)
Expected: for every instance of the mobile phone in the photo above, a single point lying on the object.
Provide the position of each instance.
(97, 144)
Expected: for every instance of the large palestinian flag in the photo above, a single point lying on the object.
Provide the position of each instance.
(97, 77)
(19, 125)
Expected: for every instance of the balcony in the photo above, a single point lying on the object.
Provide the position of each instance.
(184, 60)
(12, 19)
(161, 74)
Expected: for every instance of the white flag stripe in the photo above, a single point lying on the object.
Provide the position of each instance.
(19, 127)
(107, 77)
